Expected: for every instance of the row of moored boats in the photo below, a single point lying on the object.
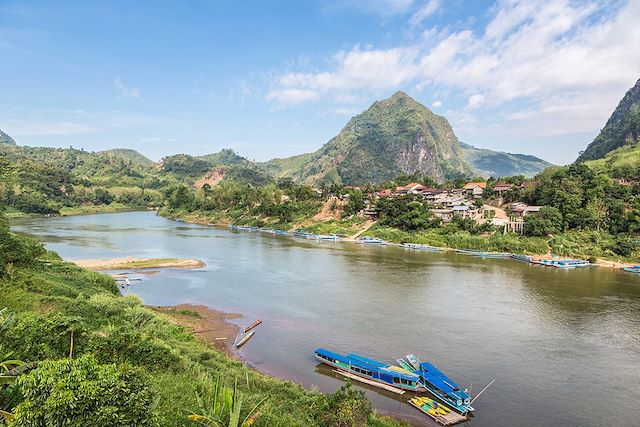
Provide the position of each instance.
(435, 394)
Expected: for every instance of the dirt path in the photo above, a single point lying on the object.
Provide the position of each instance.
(366, 226)
(137, 263)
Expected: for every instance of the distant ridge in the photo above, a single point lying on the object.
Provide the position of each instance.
(6, 139)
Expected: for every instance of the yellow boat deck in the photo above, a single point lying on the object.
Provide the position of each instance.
(442, 415)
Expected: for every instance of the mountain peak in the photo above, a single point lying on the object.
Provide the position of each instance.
(622, 128)
(6, 139)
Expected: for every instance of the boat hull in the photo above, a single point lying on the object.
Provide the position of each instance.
(346, 369)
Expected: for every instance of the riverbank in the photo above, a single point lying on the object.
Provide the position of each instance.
(207, 324)
(138, 263)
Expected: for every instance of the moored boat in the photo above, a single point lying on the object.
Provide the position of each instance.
(420, 247)
(441, 386)
(253, 325)
(328, 237)
(371, 370)
(562, 263)
(439, 412)
(632, 269)
(244, 339)
(371, 241)
(523, 258)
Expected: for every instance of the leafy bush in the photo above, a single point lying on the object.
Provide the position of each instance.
(347, 407)
(83, 393)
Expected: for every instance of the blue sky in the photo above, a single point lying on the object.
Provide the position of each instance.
(273, 79)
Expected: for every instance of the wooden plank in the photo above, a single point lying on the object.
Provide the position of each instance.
(370, 382)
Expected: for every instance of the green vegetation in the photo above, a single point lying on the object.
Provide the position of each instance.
(622, 128)
(104, 359)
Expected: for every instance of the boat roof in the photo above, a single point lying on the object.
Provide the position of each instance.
(363, 362)
(440, 380)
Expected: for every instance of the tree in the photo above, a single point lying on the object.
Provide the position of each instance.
(597, 214)
(547, 221)
(347, 407)
(81, 392)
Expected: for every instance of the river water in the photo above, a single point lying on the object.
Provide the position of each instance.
(563, 346)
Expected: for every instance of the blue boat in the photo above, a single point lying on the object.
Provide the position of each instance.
(633, 269)
(523, 258)
(371, 371)
(420, 247)
(371, 241)
(563, 263)
(439, 385)
(329, 237)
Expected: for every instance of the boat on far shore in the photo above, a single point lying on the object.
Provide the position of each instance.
(632, 269)
(419, 247)
(562, 263)
(371, 241)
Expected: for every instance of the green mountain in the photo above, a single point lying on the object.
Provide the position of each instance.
(489, 163)
(226, 157)
(398, 136)
(394, 136)
(623, 162)
(129, 155)
(622, 128)
(6, 139)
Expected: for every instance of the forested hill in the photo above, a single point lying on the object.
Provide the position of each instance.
(398, 136)
(6, 139)
(622, 128)
(129, 154)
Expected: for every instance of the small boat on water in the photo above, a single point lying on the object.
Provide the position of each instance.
(523, 258)
(484, 254)
(420, 247)
(253, 325)
(328, 237)
(371, 241)
(372, 372)
(244, 339)
(439, 412)
(562, 263)
(632, 269)
(439, 385)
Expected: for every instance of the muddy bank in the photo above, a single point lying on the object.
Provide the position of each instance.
(207, 324)
(138, 263)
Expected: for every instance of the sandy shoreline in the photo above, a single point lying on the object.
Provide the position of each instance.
(208, 325)
(130, 263)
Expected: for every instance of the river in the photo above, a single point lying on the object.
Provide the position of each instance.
(563, 345)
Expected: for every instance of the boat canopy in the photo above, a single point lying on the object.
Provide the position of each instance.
(440, 380)
(362, 362)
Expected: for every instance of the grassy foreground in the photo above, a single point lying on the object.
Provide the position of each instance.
(61, 309)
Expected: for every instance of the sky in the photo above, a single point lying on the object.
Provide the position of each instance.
(274, 79)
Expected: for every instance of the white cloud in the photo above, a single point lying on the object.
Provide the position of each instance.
(292, 96)
(475, 101)
(125, 91)
(552, 57)
(436, 104)
(428, 9)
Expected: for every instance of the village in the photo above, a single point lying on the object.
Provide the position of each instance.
(472, 201)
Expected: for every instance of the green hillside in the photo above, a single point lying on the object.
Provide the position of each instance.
(129, 154)
(622, 128)
(623, 162)
(6, 139)
(226, 157)
(489, 163)
(398, 136)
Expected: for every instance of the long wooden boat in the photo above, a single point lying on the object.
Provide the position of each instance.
(253, 325)
(440, 386)
(328, 237)
(484, 254)
(244, 339)
(371, 370)
(371, 241)
(439, 412)
(562, 263)
(523, 258)
(419, 247)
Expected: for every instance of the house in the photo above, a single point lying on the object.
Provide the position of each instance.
(411, 188)
(434, 196)
(500, 188)
(453, 200)
(466, 211)
(521, 210)
(475, 189)
(384, 193)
